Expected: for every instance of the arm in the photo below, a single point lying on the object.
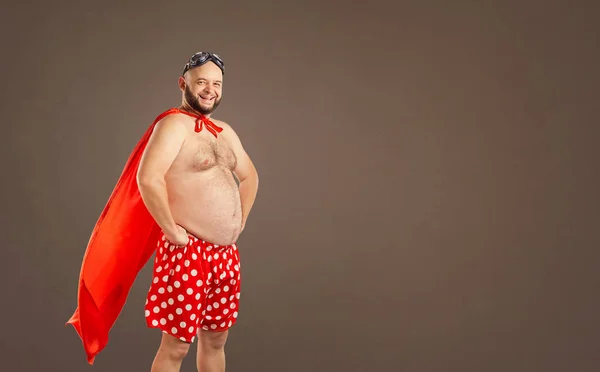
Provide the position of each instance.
(162, 148)
(246, 174)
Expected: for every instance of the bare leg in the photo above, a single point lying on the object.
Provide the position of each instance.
(211, 351)
(170, 354)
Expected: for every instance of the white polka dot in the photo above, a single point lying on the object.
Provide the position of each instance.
(170, 316)
(147, 313)
(184, 277)
(188, 307)
(179, 255)
(179, 311)
(171, 272)
(215, 269)
(177, 284)
(156, 309)
(199, 283)
(153, 298)
(197, 296)
(170, 289)
(171, 301)
(155, 322)
(165, 278)
(178, 268)
(166, 265)
(174, 330)
(163, 305)
(205, 328)
(199, 306)
(222, 324)
(213, 326)
(191, 329)
(163, 321)
(161, 290)
(186, 263)
(194, 256)
(216, 305)
(218, 317)
(235, 314)
(182, 324)
(232, 306)
(223, 300)
(146, 302)
(209, 276)
(180, 297)
(209, 259)
(193, 316)
(211, 295)
(155, 280)
(190, 291)
(236, 267)
(182, 339)
(159, 269)
(237, 295)
(194, 272)
(218, 290)
(209, 308)
(216, 256)
(208, 317)
(225, 311)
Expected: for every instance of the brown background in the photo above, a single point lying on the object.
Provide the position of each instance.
(429, 178)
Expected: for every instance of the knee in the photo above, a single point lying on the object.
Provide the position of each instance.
(174, 349)
(214, 340)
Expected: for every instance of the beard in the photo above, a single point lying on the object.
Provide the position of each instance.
(194, 103)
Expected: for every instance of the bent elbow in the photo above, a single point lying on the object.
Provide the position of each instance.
(147, 182)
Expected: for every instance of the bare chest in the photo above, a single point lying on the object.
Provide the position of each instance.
(201, 153)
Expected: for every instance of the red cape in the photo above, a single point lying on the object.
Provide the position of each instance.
(122, 241)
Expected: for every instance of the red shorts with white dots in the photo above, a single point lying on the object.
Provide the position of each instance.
(193, 287)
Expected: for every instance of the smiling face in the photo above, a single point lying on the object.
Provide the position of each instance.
(202, 88)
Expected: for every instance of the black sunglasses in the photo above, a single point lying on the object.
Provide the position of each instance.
(201, 58)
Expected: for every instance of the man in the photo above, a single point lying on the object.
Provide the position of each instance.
(177, 196)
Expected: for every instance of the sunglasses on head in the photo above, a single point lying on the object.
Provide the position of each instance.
(201, 58)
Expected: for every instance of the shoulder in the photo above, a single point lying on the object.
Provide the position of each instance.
(228, 130)
(171, 123)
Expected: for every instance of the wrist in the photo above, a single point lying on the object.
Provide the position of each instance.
(171, 230)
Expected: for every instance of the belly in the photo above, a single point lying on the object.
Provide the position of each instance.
(207, 204)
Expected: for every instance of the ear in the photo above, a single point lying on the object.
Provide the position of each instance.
(181, 83)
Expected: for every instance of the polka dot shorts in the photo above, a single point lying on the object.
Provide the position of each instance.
(193, 287)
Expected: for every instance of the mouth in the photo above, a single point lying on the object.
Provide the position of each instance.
(207, 100)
